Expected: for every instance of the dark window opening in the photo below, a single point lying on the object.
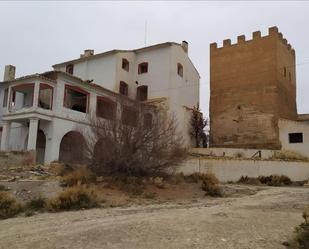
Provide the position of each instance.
(295, 137)
(179, 69)
(5, 97)
(125, 64)
(147, 120)
(106, 108)
(123, 88)
(129, 116)
(76, 99)
(284, 71)
(142, 93)
(69, 68)
(45, 97)
(143, 68)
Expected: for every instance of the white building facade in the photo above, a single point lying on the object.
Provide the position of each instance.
(40, 112)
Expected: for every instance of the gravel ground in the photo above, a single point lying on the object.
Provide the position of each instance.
(263, 220)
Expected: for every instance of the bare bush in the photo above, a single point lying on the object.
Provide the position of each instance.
(210, 185)
(136, 148)
(74, 198)
(78, 176)
(9, 206)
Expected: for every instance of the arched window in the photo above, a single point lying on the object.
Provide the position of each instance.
(179, 69)
(69, 68)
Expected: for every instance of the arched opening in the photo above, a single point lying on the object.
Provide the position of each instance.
(72, 148)
(40, 147)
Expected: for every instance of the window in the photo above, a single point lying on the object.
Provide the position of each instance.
(179, 69)
(106, 108)
(76, 99)
(143, 68)
(295, 137)
(142, 93)
(69, 68)
(125, 64)
(147, 120)
(129, 116)
(123, 88)
(284, 71)
(5, 97)
(45, 97)
(22, 96)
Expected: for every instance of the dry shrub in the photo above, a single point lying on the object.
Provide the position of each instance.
(74, 198)
(275, 180)
(210, 185)
(35, 204)
(287, 155)
(249, 180)
(134, 148)
(3, 188)
(301, 233)
(130, 184)
(177, 178)
(9, 206)
(81, 175)
(59, 169)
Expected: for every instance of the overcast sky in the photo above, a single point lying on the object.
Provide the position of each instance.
(36, 35)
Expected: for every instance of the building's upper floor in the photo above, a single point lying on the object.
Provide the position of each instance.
(149, 72)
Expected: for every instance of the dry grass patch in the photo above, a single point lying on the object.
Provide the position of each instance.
(74, 198)
(9, 206)
(210, 185)
(79, 176)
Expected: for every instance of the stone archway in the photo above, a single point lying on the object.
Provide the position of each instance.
(72, 148)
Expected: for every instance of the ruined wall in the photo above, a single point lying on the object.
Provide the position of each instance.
(252, 84)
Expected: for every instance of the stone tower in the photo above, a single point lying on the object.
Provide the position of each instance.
(252, 85)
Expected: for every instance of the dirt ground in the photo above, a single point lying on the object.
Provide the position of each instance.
(261, 220)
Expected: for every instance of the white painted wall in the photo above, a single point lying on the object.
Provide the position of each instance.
(288, 126)
(232, 170)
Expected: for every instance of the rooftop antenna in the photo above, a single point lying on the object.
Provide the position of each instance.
(145, 38)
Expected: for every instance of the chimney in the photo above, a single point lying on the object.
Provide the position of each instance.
(9, 73)
(185, 46)
(87, 53)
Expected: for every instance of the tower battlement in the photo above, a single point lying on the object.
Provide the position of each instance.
(256, 36)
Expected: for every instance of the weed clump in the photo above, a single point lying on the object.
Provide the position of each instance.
(79, 176)
(301, 233)
(210, 185)
(74, 198)
(36, 204)
(275, 180)
(9, 206)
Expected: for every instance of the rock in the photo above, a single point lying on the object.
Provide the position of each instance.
(12, 179)
(285, 243)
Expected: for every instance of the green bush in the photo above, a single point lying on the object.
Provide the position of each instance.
(74, 198)
(9, 206)
(79, 176)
